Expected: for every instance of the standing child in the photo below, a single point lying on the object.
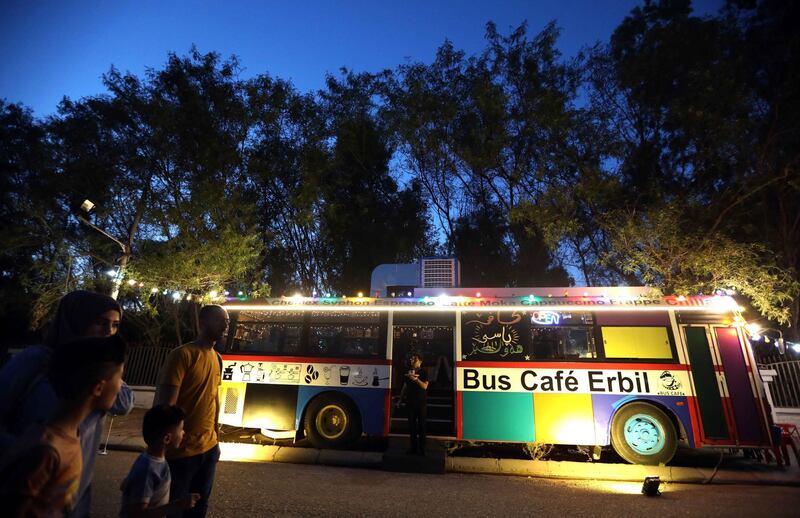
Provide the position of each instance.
(40, 474)
(145, 491)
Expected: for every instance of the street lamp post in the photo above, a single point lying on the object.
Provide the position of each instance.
(87, 206)
(756, 331)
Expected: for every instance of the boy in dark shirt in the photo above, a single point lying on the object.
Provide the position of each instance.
(416, 387)
(145, 491)
(40, 475)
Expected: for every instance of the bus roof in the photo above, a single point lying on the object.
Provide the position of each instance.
(499, 299)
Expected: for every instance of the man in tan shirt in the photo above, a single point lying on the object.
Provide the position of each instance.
(190, 379)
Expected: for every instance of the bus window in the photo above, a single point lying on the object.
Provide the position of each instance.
(344, 334)
(270, 338)
(561, 335)
(268, 333)
(344, 340)
(562, 343)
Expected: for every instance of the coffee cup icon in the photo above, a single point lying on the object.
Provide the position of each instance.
(344, 375)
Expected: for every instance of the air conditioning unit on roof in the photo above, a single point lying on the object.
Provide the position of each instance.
(440, 273)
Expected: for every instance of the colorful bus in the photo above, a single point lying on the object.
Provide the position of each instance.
(597, 367)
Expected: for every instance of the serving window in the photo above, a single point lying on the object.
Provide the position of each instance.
(527, 336)
(562, 343)
(562, 335)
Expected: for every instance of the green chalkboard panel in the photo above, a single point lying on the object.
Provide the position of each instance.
(705, 382)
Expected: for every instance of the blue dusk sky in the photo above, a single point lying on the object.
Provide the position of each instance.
(55, 48)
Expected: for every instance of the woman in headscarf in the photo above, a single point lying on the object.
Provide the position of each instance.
(27, 397)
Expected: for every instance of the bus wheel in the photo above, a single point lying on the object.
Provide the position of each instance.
(331, 422)
(643, 434)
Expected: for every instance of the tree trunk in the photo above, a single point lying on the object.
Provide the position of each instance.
(177, 324)
(196, 319)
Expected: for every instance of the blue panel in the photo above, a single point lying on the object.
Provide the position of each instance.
(605, 405)
(370, 403)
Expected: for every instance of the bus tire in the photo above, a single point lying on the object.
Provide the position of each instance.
(643, 434)
(331, 422)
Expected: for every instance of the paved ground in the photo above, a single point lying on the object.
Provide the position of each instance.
(273, 489)
(689, 466)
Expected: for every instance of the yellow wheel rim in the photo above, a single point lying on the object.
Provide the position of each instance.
(331, 421)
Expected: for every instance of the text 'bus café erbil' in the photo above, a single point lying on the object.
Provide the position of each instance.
(620, 367)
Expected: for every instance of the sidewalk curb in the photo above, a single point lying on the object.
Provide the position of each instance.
(126, 444)
(560, 470)
(614, 472)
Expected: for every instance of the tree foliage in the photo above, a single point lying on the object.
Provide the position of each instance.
(664, 248)
(667, 155)
(482, 134)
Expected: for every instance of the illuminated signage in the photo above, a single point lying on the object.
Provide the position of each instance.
(545, 318)
(526, 303)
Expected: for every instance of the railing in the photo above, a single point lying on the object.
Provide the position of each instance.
(785, 387)
(143, 363)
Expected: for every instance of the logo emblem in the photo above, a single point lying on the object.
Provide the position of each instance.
(669, 382)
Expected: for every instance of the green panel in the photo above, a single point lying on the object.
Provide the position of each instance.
(492, 416)
(705, 381)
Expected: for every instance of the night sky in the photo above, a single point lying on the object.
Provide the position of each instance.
(51, 48)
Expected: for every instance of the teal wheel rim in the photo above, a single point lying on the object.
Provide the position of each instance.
(644, 434)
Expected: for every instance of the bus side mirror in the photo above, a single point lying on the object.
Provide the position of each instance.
(781, 345)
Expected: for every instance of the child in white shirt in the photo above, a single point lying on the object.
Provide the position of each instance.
(145, 491)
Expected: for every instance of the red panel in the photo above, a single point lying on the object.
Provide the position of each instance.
(697, 427)
(573, 365)
(387, 411)
(459, 424)
(305, 359)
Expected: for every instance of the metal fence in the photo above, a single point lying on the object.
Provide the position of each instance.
(143, 363)
(785, 388)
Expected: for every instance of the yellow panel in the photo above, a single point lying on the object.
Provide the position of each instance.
(636, 342)
(563, 418)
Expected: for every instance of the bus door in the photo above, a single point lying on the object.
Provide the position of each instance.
(432, 336)
(740, 379)
(708, 385)
(723, 381)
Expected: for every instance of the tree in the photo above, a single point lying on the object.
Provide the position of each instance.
(287, 152)
(163, 159)
(34, 253)
(480, 240)
(663, 247)
(488, 131)
(366, 219)
(700, 114)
